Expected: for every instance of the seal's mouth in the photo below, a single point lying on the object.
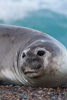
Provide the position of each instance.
(32, 73)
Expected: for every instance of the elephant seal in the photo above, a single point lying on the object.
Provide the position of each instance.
(31, 58)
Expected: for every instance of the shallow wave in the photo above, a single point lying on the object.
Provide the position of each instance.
(19, 9)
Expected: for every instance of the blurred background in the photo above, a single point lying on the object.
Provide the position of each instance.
(49, 16)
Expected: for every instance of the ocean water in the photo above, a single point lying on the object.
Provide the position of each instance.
(49, 16)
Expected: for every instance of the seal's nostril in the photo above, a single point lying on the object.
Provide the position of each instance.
(23, 55)
(40, 53)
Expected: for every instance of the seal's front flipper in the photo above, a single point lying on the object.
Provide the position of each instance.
(65, 85)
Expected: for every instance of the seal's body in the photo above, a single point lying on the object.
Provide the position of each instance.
(31, 58)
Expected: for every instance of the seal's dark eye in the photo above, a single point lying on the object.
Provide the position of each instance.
(40, 53)
(23, 55)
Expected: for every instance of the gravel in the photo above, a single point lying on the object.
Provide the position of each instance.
(11, 92)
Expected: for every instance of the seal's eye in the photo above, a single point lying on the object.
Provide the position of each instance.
(40, 53)
(23, 55)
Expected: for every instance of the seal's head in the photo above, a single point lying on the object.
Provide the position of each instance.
(41, 63)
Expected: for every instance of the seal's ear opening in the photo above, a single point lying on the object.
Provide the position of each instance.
(40, 53)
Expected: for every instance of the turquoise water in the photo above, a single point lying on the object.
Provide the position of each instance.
(47, 20)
